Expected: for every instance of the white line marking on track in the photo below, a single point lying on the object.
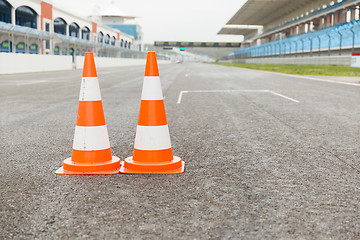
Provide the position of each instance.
(230, 91)
(316, 79)
(283, 96)
(180, 96)
(224, 91)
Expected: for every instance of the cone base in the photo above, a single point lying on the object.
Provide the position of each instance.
(176, 166)
(104, 168)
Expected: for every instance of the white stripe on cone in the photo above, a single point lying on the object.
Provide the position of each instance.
(152, 138)
(151, 89)
(91, 138)
(90, 90)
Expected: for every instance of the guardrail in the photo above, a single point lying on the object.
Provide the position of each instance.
(329, 39)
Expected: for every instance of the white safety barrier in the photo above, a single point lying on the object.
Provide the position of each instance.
(315, 60)
(23, 63)
(101, 62)
(110, 62)
(355, 61)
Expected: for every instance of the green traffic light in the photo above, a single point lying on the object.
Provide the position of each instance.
(182, 48)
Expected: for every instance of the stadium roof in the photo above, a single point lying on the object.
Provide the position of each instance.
(262, 12)
(240, 30)
(112, 10)
(237, 31)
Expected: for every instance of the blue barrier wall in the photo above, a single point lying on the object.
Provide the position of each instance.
(344, 35)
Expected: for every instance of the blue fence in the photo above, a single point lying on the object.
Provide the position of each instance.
(340, 36)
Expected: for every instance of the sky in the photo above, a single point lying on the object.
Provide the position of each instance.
(166, 20)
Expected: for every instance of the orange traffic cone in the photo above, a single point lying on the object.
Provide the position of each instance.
(91, 152)
(152, 150)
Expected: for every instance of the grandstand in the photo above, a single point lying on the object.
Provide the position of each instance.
(287, 28)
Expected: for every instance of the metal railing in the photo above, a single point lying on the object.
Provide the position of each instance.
(329, 39)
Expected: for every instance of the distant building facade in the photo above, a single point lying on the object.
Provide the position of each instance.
(113, 17)
(39, 27)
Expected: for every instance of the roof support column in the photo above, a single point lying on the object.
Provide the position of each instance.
(329, 20)
(326, 21)
(293, 31)
(343, 16)
(322, 23)
(13, 19)
(316, 23)
(301, 28)
(287, 32)
(336, 18)
(352, 12)
(340, 16)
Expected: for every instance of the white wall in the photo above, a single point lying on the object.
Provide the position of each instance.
(22, 63)
(110, 62)
(324, 60)
(355, 61)
(114, 62)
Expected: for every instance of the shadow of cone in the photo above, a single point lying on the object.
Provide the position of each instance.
(152, 151)
(91, 152)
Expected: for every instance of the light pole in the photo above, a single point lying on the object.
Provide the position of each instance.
(329, 43)
(290, 48)
(302, 41)
(340, 42)
(280, 49)
(353, 40)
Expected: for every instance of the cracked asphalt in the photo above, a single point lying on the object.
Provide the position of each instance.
(258, 165)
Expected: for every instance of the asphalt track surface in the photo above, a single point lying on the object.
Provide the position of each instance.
(267, 157)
